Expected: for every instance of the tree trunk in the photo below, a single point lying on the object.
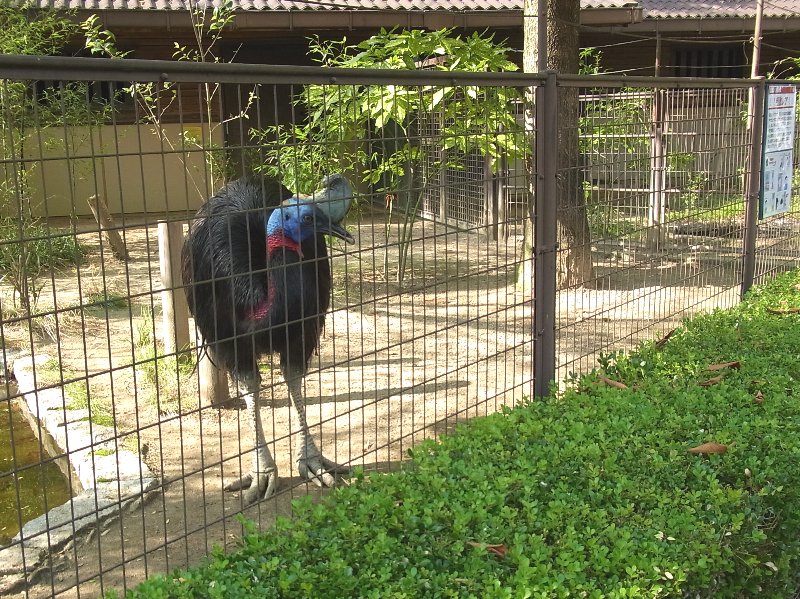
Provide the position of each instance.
(574, 261)
(530, 56)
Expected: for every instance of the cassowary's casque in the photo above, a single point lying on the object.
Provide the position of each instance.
(258, 281)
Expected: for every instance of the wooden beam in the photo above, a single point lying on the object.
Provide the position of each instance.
(108, 227)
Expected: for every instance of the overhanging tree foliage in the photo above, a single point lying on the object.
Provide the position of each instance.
(372, 132)
(26, 110)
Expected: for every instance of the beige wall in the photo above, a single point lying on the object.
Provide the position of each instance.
(128, 165)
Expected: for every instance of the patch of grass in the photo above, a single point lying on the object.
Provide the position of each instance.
(76, 392)
(78, 395)
(131, 443)
(608, 222)
(723, 212)
(162, 379)
(265, 368)
(103, 452)
(591, 493)
(106, 300)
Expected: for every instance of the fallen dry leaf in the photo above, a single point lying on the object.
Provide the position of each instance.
(611, 383)
(797, 286)
(665, 338)
(722, 365)
(713, 380)
(758, 398)
(783, 310)
(709, 448)
(499, 550)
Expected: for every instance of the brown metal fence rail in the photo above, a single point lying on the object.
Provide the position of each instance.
(438, 312)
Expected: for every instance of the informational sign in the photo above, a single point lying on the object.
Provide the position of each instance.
(778, 161)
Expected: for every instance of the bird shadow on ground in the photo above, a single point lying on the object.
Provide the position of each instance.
(324, 364)
(278, 401)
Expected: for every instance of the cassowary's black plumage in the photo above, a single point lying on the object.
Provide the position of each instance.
(225, 270)
(253, 294)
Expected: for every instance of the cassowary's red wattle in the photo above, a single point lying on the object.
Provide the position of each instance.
(261, 311)
(276, 241)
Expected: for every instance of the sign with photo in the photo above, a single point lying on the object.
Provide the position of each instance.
(778, 160)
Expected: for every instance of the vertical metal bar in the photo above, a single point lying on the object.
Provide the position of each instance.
(757, 39)
(753, 184)
(502, 184)
(544, 252)
(490, 200)
(655, 213)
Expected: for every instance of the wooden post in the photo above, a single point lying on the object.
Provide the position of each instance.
(174, 308)
(107, 226)
(213, 383)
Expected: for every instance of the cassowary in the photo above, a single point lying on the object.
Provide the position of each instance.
(258, 281)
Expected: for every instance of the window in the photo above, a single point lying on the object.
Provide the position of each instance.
(709, 61)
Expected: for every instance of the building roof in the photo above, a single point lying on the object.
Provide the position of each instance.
(653, 9)
(322, 5)
(741, 9)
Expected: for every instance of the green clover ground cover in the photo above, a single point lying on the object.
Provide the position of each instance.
(591, 494)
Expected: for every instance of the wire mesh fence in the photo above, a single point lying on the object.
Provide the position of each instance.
(664, 207)
(432, 315)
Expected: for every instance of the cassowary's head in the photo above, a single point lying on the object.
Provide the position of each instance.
(300, 219)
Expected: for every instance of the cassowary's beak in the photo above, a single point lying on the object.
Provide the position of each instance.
(333, 198)
(328, 227)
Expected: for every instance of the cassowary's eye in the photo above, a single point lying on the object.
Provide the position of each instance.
(307, 218)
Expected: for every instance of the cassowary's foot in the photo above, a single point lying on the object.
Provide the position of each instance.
(266, 484)
(320, 470)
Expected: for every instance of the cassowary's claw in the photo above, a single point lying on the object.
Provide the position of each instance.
(265, 487)
(241, 483)
(320, 470)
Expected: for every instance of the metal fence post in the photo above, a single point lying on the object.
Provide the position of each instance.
(655, 209)
(753, 184)
(545, 243)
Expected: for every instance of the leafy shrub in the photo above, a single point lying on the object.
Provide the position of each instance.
(589, 494)
(29, 251)
(48, 248)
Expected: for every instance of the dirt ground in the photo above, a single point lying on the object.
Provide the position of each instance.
(397, 363)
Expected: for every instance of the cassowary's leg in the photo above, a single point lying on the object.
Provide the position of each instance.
(263, 471)
(311, 464)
